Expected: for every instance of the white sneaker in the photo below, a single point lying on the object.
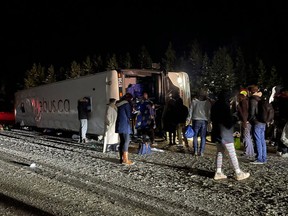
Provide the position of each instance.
(242, 175)
(256, 162)
(219, 175)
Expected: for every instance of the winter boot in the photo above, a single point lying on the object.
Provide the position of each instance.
(126, 161)
(121, 156)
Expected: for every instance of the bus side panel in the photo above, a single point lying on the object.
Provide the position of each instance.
(55, 105)
(112, 85)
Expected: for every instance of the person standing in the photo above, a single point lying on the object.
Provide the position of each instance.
(145, 119)
(123, 127)
(111, 137)
(182, 111)
(242, 111)
(199, 113)
(170, 119)
(84, 109)
(222, 121)
(258, 127)
(281, 102)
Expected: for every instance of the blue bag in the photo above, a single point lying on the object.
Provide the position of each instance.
(189, 132)
(144, 148)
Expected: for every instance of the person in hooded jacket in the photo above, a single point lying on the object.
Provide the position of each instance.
(123, 127)
(199, 114)
(258, 127)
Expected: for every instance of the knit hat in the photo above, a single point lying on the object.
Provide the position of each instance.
(244, 92)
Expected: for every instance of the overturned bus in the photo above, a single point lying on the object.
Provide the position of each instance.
(54, 106)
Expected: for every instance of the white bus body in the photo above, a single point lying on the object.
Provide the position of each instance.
(54, 106)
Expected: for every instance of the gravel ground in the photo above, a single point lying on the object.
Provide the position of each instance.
(72, 179)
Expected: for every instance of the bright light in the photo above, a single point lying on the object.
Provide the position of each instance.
(179, 80)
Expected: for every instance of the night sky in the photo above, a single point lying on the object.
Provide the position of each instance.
(49, 32)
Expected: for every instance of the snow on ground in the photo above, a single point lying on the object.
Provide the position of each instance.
(69, 178)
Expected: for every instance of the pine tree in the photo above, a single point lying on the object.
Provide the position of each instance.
(112, 63)
(87, 67)
(51, 77)
(274, 78)
(240, 69)
(196, 61)
(145, 60)
(205, 72)
(252, 77)
(222, 71)
(262, 74)
(170, 58)
(97, 63)
(35, 76)
(127, 63)
(61, 74)
(75, 71)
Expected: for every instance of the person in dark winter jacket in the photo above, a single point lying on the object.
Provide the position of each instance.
(242, 111)
(182, 116)
(222, 120)
(123, 126)
(281, 102)
(258, 127)
(170, 119)
(83, 112)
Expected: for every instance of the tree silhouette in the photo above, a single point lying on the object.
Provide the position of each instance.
(75, 71)
(145, 60)
(35, 76)
(222, 74)
(112, 63)
(127, 63)
(262, 74)
(170, 58)
(87, 66)
(51, 77)
(240, 69)
(196, 61)
(215, 72)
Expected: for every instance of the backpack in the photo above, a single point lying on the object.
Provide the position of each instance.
(265, 111)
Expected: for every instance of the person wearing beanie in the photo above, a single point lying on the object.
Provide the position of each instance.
(242, 112)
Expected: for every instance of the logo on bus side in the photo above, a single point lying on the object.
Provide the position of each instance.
(51, 105)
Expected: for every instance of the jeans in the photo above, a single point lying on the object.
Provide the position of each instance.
(83, 128)
(199, 127)
(259, 137)
(124, 142)
(247, 139)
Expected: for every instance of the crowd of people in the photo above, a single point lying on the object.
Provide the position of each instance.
(223, 113)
